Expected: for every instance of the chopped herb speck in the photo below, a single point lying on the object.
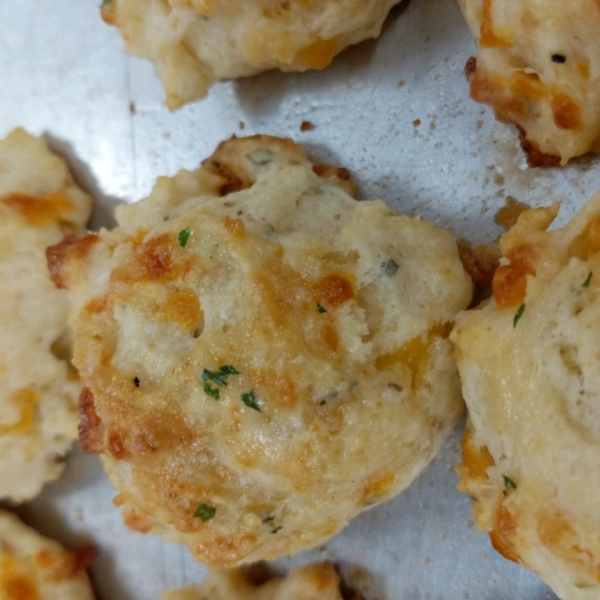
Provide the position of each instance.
(558, 58)
(184, 235)
(104, 3)
(587, 282)
(389, 267)
(518, 314)
(205, 512)
(320, 308)
(276, 529)
(249, 400)
(509, 484)
(136, 381)
(229, 370)
(212, 392)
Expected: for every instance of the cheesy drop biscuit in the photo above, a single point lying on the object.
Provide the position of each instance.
(263, 357)
(313, 582)
(33, 567)
(193, 43)
(530, 366)
(39, 203)
(537, 66)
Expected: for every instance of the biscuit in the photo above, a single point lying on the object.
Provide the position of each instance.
(530, 369)
(263, 356)
(33, 567)
(39, 203)
(312, 582)
(536, 66)
(193, 43)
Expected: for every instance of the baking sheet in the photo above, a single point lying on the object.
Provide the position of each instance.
(396, 112)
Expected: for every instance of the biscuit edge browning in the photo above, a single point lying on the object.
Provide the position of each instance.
(537, 76)
(242, 201)
(536, 516)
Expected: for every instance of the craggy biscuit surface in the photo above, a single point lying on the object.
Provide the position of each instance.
(33, 567)
(538, 66)
(530, 366)
(39, 203)
(264, 357)
(313, 582)
(194, 43)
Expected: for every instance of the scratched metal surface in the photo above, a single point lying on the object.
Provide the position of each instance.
(396, 112)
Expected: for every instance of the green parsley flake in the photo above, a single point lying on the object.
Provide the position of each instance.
(183, 237)
(389, 267)
(205, 512)
(212, 392)
(104, 3)
(249, 400)
(518, 314)
(320, 308)
(509, 484)
(276, 529)
(587, 282)
(219, 377)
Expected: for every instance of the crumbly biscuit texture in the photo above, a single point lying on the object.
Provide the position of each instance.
(33, 567)
(195, 43)
(39, 203)
(312, 582)
(538, 65)
(264, 357)
(530, 370)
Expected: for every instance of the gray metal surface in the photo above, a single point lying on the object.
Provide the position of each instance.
(396, 112)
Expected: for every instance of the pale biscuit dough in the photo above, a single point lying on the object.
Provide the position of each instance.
(33, 567)
(193, 43)
(530, 369)
(39, 203)
(333, 314)
(538, 66)
(313, 582)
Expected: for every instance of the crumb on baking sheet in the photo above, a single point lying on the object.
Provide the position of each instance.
(132, 108)
(401, 83)
(416, 122)
(306, 126)
(242, 125)
(507, 216)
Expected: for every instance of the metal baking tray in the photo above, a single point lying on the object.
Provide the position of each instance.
(396, 112)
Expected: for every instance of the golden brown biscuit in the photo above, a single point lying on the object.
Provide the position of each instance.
(33, 567)
(530, 367)
(537, 67)
(39, 203)
(193, 43)
(312, 582)
(264, 357)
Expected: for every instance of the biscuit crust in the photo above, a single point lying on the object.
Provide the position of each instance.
(263, 356)
(39, 204)
(33, 567)
(537, 67)
(529, 365)
(193, 43)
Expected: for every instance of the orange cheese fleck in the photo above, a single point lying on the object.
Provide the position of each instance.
(487, 37)
(415, 354)
(41, 211)
(15, 584)
(318, 55)
(26, 400)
